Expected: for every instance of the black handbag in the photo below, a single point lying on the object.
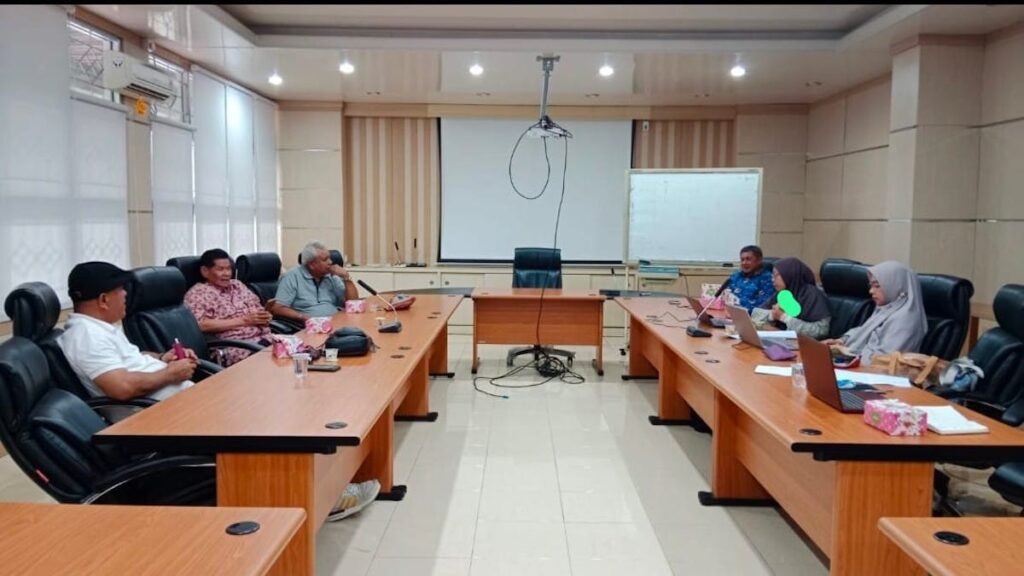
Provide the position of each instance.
(350, 341)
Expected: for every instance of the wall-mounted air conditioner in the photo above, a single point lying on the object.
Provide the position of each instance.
(129, 76)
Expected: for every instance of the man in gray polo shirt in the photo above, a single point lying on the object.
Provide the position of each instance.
(316, 288)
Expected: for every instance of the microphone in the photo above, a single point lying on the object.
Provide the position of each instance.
(395, 326)
(723, 287)
(398, 254)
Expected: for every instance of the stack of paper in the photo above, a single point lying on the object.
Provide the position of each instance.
(858, 377)
(947, 420)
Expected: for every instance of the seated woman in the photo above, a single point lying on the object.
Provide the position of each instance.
(898, 323)
(814, 318)
(224, 307)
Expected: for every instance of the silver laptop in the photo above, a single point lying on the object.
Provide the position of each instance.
(748, 332)
(705, 318)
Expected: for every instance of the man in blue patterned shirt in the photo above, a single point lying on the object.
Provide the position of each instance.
(752, 283)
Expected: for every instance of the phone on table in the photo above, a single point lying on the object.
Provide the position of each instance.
(840, 360)
(323, 367)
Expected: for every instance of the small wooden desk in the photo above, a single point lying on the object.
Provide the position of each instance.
(994, 548)
(979, 311)
(834, 475)
(45, 539)
(510, 315)
(277, 439)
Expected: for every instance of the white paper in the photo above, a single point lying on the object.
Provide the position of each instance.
(774, 370)
(783, 334)
(947, 420)
(873, 379)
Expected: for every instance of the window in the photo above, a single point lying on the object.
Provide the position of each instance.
(85, 50)
(175, 107)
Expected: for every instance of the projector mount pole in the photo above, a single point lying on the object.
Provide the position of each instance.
(547, 65)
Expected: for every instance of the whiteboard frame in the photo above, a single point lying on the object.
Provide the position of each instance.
(626, 212)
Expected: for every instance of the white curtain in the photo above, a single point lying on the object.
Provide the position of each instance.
(241, 175)
(173, 224)
(267, 203)
(209, 119)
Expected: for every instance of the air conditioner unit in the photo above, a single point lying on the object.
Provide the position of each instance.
(129, 76)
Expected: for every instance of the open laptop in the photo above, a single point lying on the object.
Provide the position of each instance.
(748, 332)
(705, 318)
(821, 378)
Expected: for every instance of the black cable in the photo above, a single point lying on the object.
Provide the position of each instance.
(512, 181)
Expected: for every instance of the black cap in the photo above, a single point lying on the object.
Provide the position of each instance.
(90, 279)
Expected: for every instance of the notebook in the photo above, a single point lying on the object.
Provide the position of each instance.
(946, 420)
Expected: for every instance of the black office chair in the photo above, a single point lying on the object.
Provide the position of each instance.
(846, 286)
(1008, 481)
(48, 433)
(189, 266)
(336, 257)
(769, 262)
(157, 315)
(947, 303)
(538, 268)
(33, 308)
(261, 271)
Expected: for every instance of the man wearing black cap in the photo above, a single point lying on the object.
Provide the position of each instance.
(102, 357)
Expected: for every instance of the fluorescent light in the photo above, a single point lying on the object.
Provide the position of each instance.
(738, 71)
(606, 70)
(476, 69)
(275, 79)
(346, 67)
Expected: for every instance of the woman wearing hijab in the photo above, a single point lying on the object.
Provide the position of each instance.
(899, 322)
(814, 317)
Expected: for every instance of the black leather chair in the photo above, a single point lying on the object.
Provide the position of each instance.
(157, 315)
(261, 271)
(48, 433)
(846, 286)
(189, 266)
(769, 262)
(538, 268)
(1008, 481)
(335, 257)
(947, 303)
(33, 308)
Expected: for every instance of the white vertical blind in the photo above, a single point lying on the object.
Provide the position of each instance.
(267, 203)
(36, 233)
(241, 176)
(173, 225)
(209, 118)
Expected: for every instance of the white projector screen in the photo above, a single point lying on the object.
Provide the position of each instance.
(483, 219)
(699, 215)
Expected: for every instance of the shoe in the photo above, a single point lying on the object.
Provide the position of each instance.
(353, 499)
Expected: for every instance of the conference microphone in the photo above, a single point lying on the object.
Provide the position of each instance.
(395, 326)
(367, 286)
(398, 253)
(723, 287)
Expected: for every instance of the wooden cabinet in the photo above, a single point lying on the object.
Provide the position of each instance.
(416, 280)
(380, 280)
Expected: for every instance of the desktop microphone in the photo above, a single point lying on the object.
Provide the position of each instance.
(417, 263)
(398, 253)
(395, 326)
(697, 332)
(723, 287)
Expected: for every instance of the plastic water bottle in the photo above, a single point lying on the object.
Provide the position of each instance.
(799, 379)
(300, 364)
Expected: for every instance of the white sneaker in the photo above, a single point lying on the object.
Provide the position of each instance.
(353, 499)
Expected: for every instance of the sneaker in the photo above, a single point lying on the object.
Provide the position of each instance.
(353, 499)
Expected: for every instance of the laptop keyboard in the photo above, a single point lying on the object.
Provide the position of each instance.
(851, 400)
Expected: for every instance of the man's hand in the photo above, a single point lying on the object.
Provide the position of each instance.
(169, 356)
(181, 370)
(833, 342)
(340, 272)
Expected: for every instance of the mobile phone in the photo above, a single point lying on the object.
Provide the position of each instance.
(323, 367)
(179, 350)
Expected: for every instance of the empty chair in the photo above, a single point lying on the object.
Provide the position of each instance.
(260, 271)
(538, 268)
(846, 285)
(947, 303)
(189, 266)
(157, 315)
(48, 433)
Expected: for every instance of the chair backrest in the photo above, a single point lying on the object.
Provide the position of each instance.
(335, 257)
(260, 271)
(1000, 351)
(47, 431)
(537, 268)
(769, 262)
(947, 303)
(157, 313)
(845, 283)
(34, 308)
(189, 266)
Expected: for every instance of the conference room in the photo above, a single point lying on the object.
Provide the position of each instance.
(507, 289)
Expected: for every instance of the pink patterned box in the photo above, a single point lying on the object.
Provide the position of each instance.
(320, 325)
(895, 417)
(355, 306)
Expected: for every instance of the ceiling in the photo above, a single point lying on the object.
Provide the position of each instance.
(661, 54)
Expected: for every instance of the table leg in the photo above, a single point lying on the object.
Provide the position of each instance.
(380, 462)
(476, 359)
(731, 482)
(672, 409)
(439, 354)
(639, 365)
(415, 407)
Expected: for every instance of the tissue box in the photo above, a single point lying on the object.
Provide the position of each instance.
(355, 306)
(285, 345)
(319, 325)
(895, 418)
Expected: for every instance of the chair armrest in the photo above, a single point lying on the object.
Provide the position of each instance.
(101, 401)
(993, 411)
(114, 411)
(250, 346)
(295, 325)
(207, 368)
(279, 327)
(145, 468)
(1014, 415)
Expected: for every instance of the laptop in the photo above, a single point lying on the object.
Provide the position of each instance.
(705, 318)
(821, 379)
(748, 332)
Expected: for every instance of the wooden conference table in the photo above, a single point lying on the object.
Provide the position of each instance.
(277, 439)
(993, 547)
(510, 315)
(45, 539)
(834, 475)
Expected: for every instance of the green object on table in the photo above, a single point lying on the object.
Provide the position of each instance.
(789, 304)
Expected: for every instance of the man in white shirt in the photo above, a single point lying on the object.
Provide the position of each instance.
(97, 349)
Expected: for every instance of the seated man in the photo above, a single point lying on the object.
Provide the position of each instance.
(224, 307)
(752, 283)
(98, 351)
(316, 288)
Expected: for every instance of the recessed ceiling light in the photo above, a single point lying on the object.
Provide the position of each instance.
(476, 69)
(606, 70)
(738, 71)
(346, 67)
(275, 79)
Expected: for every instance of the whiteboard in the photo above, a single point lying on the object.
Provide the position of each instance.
(697, 215)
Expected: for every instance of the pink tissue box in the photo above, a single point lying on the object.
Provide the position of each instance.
(719, 303)
(319, 325)
(896, 418)
(355, 306)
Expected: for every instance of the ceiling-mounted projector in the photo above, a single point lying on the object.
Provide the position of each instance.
(545, 126)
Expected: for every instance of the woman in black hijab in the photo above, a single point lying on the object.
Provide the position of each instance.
(814, 317)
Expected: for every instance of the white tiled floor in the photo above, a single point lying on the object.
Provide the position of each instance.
(558, 479)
